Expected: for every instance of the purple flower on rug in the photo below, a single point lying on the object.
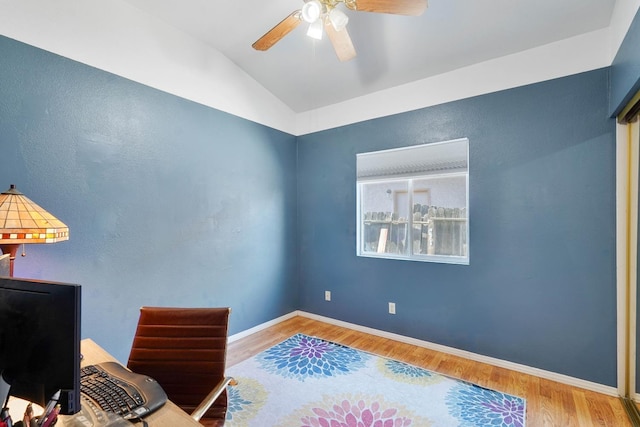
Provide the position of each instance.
(478, 406)
(304, 357)
(355, 414)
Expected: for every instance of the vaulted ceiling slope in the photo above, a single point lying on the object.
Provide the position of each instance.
(391, 49)
(201, 50)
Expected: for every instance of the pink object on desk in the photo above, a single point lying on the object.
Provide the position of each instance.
(52, 417)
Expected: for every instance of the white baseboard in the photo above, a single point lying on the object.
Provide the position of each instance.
(552, 376)
(258, 328)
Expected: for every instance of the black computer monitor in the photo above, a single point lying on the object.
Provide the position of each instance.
(40, 340)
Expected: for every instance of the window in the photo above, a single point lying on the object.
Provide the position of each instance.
(413, 203)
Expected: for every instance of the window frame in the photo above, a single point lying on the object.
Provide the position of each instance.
(410, 178)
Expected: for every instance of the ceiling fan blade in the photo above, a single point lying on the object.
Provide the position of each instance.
(396, 7)
(275, 34)
(341, 42)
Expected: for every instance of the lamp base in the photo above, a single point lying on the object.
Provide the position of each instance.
(12, 250)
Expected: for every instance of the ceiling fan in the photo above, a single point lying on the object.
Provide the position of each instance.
(323, 14)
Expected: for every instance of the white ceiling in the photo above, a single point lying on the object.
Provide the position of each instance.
(392, 50)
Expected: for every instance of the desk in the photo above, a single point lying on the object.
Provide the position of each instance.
(169, 415)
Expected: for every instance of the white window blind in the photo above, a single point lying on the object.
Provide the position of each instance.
(444, 157)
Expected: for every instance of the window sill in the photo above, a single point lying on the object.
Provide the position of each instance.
(440, 259)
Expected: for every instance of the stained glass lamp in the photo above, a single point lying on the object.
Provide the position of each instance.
(24, 222)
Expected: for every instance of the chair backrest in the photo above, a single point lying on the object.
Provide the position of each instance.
(184, 349)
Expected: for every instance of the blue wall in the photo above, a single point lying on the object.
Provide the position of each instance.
(625, 69)
(173, 203)
(540, 289)
(168, 202)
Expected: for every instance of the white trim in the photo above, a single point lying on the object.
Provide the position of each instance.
(564, 379)
(621, 260)
(626, 255)
(633, 257)
(260, 327)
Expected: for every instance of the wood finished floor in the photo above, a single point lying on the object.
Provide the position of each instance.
(548, 403)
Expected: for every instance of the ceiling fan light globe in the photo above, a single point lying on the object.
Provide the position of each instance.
(311, 11)
(315, 30)
(338, 19)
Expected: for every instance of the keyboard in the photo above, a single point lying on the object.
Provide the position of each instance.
(110, 387)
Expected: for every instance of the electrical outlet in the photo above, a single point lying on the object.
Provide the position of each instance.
(392, 308)
(327, 295)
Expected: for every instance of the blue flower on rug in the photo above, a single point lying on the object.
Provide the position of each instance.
(235, 402)
(400, 371)
(401, 368)
(303, 357)
(244, 401)
(480, 407)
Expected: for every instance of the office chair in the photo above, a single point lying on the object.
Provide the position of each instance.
(184, 349)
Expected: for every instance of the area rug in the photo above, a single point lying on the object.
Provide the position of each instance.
(309, 382)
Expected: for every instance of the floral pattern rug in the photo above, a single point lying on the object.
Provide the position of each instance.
(309, 382)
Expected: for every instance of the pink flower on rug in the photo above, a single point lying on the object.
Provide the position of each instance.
(358, 414)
